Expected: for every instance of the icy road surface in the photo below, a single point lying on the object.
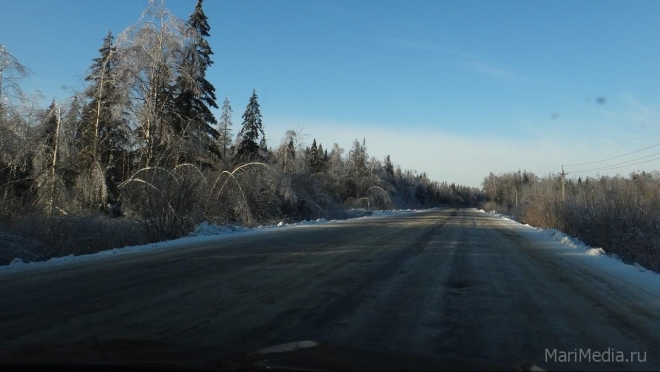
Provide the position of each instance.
(445, 283)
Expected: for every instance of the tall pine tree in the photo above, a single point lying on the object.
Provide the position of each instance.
(248, 148)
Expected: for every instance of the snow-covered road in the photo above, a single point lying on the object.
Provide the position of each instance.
(445, 283)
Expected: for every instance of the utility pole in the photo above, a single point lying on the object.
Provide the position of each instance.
(54, 163)
(2, 68)
(516, 190)
(563, 183)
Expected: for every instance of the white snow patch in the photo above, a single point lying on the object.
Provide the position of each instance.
(595, 258)
(205, 229)
(501, 215)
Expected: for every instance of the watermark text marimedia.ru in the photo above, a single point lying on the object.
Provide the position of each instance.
(593, 356)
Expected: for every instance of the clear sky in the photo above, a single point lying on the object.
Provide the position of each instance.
(456, 89)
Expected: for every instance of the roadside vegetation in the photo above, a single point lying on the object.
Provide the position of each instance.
(138, 156)
(620, 215)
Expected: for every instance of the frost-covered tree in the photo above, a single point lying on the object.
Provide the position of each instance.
(104, 123)
(389, 168)
(103, 132)
(335, 161)
(225, 127)
(357, 161)
(357, 158)
(313, 158)
(18, 114)
(323, 158)
(264, 152)
(291, 150)
(46, 160)
(11, 72)
(286, 153)
(152, 53)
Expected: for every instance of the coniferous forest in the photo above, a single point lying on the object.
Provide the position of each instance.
(138, 155)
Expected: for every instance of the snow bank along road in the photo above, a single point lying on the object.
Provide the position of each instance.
(447, 283)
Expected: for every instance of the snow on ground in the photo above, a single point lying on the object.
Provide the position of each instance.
(557, 236)
(596, 258)
(203, 233)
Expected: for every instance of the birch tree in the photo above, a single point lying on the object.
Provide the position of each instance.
(11, 72)
(13, 128)
(151, 53)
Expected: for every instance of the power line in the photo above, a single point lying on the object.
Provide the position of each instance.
(621, 166)
(616, 157)
(617, 164)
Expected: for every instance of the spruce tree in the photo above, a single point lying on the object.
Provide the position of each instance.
(103, 131)
(323, 158)
(289, 156)
(224, 126)
(291, 148)
(247, 148)
(71, 122)
(389, 168)
(194, 95)
(49, 127)
(74, 115)
(264, 153)
(358, 172)
(314, 158)
(358, 157)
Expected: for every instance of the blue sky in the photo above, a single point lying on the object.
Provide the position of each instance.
(456, 89)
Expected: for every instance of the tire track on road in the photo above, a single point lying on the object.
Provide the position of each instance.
(391, 252)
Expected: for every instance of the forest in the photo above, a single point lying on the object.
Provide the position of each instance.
(138, 155)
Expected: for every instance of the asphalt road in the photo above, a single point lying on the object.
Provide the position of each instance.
(445, 283)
